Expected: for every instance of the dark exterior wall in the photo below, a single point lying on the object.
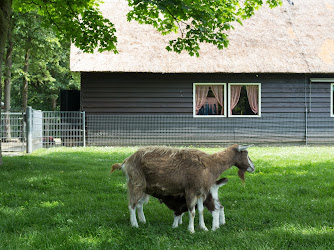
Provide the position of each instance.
(129, 93)
(134, 101)
(138, 93)
(320, 99)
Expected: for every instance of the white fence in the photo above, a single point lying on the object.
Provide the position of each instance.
(41, 129)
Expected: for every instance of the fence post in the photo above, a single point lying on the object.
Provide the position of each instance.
(84, 128)
(29, 129)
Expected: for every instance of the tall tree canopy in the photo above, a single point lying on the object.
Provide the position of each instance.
(81, 22)
(45, 71)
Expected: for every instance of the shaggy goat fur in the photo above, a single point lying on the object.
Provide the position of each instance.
(163, 171)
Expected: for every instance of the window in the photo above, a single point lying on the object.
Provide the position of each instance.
(227, 100)
(209, 100)
(244, 100)
(332, 100)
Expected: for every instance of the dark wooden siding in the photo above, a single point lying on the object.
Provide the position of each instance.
(320, 124)
(145, 93)
(135, 93)
(284, 101)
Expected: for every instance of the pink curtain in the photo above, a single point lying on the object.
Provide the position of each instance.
(253, 97)
(219, 94)
(235, 95)
(200, 96)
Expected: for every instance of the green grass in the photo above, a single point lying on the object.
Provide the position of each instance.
(67, 199)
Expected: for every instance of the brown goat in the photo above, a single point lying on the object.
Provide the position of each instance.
(191, 173)
(179, 206)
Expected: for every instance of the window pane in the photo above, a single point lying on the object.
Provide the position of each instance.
(248, 101)
(209, 99)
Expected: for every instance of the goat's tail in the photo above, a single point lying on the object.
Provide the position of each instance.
(116, 166)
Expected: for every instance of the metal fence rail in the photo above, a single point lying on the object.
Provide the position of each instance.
(320, 131)
(71, 129)
(62, 128)
(124, 130)
(12, 132)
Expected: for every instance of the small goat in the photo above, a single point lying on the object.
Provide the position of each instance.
(179, 206)
(191, 173)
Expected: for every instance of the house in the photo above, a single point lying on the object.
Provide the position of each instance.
(273, 84)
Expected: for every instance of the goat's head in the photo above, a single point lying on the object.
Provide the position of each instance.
(243, 162)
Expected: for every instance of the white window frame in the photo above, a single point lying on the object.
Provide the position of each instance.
(194, 101)
(229, 100)
(332, 101)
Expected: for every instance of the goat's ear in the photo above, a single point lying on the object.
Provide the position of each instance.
(221, 182)
(243, 148)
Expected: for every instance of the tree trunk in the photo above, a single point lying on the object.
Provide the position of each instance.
(25, 81)
(54, 103)
(7, 82)
(5, 13)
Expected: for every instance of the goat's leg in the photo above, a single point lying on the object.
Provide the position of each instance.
(215, 219)
(180, 219)
(133, 219)
(221, 216)
(135, 195)
(176, 220)
(200, 214)
(191, 200)
(191, 220)
(140, 207)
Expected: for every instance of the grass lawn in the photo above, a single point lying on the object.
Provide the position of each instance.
(66, 198)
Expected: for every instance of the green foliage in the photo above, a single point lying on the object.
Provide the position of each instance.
(78, 21)
(66, 199)
(48, 70)
(197, 21)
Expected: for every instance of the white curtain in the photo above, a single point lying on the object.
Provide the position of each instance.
(235, 95)
(253, 97)
(200, 96)
(219, 95)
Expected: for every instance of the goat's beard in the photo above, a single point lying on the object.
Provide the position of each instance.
(241, 174)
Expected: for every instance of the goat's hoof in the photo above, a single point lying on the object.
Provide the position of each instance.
(214, 228)
(205, 229)
(175, 226)
(191, 230)
(142, 221)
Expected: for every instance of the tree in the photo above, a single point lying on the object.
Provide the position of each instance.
(48, 64)
(42, 53)
(81, 22)
(7, 81)
(196, 21)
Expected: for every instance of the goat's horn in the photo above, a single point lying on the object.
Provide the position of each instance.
(243, 148)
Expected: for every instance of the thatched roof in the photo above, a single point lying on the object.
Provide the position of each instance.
(295, 38)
